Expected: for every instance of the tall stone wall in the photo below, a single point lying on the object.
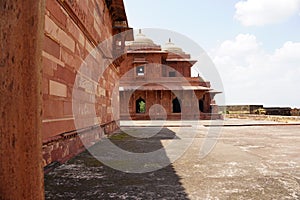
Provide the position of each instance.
(72, 30)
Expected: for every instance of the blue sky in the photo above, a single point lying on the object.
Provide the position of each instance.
(254, 44)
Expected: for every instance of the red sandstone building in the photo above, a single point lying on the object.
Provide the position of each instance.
(44, 44)
(156, 83)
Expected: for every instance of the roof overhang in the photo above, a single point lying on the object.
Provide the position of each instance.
(215, 92)
(145, 51)
(164, 87)
(182, 60)
(117, 12)
(119, 18)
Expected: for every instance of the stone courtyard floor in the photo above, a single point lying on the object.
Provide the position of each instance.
(251, 160)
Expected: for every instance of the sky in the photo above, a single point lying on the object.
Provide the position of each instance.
(254, 45)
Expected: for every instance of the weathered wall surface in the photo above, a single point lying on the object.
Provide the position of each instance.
(72, 30)
(21, 32)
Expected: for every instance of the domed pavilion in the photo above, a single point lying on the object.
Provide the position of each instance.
(156, 83)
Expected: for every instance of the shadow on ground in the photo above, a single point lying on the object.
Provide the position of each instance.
(84, 177)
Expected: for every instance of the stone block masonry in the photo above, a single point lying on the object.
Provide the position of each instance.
(72, 30)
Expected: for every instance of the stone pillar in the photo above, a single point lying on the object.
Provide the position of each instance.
(21, 31)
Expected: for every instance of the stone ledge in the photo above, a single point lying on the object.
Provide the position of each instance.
(66, 145)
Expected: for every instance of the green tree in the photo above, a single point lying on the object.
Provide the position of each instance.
(142, 107)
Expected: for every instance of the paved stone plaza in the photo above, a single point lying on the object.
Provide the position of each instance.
(260, 160)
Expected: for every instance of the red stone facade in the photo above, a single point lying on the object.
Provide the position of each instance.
(72, 30)
(152, 75)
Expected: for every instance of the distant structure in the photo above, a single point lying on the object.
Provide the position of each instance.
(240, 109)
(295, 112)
(259, 109)
(156, 83)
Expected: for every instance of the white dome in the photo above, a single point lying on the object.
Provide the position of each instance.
(141, 40)
(171, 47)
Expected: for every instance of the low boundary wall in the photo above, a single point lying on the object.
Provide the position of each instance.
(276, 118)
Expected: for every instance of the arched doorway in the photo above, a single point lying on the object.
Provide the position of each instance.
(201, 105)
(140, 105)
(176, 105)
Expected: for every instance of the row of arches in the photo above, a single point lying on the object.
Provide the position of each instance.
(176, 105)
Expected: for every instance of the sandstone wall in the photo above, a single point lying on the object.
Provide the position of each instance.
(72, 30)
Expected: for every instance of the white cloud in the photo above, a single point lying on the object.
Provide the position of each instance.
(243, 44)
(289, 52)
(262, 12)
(252, 76)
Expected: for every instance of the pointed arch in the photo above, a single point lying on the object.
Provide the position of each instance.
(176, 104)
(201, 105)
